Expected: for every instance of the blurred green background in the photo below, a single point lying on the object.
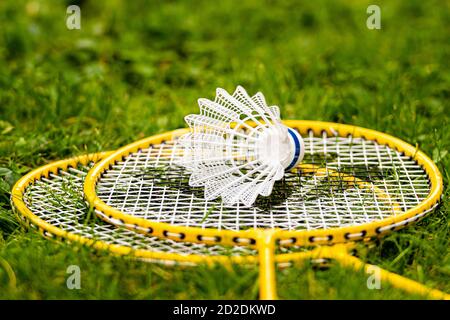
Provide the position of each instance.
(137, 68)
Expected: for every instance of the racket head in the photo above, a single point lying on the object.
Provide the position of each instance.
(414, 184)
(50, 199)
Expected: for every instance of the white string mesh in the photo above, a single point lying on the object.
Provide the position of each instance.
(59, 201)
(147, 184)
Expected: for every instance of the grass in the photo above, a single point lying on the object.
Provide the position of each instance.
(136, 69)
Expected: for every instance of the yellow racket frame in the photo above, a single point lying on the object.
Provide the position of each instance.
(265, 240)
(251, 236)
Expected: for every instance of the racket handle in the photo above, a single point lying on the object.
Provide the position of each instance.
(266, 251)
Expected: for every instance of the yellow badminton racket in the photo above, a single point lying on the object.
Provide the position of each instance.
(354, 184)
(50, 200)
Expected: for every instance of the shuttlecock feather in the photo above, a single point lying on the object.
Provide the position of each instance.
(238, 147)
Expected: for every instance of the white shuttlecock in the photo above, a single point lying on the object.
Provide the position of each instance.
(238, 147)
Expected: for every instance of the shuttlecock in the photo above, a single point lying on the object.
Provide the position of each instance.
(237, 147)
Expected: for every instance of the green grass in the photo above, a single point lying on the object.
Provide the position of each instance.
(136, 69)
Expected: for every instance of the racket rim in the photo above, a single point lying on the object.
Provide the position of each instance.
(49, 230)
(285, 237)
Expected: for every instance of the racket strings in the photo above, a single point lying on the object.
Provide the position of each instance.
(58, 200)
(350, 181)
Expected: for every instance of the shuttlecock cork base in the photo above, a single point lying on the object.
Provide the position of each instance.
(238, 147)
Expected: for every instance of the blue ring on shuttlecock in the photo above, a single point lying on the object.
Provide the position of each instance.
(299, 149)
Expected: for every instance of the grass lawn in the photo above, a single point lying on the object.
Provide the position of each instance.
(135, 69)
